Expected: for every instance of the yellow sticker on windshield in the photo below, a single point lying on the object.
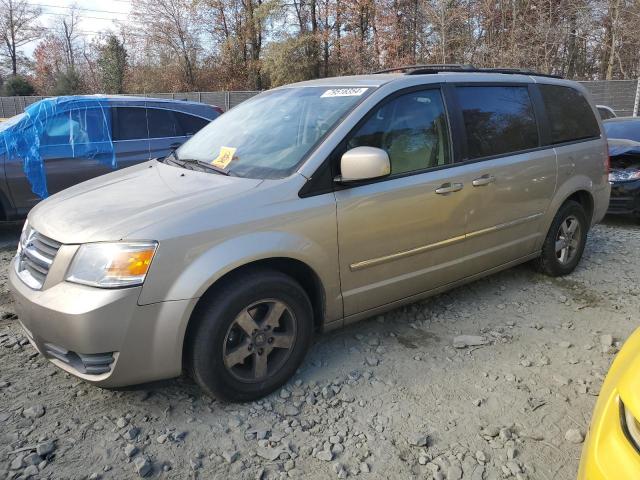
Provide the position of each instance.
(224, 157)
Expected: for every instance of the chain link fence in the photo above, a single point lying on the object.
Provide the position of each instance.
(10, 106)
(621, 95)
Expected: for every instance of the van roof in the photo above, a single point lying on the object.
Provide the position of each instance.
(434, 76)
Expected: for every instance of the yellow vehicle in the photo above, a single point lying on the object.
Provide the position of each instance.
(612, 448)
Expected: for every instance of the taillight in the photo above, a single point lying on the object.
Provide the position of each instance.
(607, 164)
(218, 109)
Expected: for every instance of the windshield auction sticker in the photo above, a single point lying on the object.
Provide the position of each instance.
(343, 92)
(224, 157)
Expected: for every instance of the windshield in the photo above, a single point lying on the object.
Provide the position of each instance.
(269, 135)
(629, 130)
(10, 122)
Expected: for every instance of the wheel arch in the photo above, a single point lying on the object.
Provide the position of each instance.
(584, 198)
(580, 189)
(300, 271)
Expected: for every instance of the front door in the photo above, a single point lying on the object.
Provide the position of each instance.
(130, 135)
(75, 146)
(165, 132)
(404, 234)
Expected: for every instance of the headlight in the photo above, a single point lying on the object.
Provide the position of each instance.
(632, 426)
(24, 236)
(625, 175)
(112, 265)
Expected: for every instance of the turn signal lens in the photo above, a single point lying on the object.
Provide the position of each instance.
(130, 263)
(112, 265)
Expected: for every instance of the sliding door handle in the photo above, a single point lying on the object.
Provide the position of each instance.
(483, 180)
(449, 188)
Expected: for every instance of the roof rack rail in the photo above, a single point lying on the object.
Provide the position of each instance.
(432, 67)
(517, 71)
(459, 67)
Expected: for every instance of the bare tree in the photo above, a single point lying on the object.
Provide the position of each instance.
(68, 33)
(172, 25)
(176, 45)
(18, 26)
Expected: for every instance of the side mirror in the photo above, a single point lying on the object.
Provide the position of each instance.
(364, 163)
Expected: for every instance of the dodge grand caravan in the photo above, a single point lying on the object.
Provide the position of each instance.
(306, 208)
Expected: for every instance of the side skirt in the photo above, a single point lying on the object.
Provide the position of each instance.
(421, 296)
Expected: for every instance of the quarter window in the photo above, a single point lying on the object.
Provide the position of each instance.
(497, 120)
(570, 116)
(411, 128)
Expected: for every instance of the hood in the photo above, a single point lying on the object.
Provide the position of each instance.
(622, 146)
(110, 207)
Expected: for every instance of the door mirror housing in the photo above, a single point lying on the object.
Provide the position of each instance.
(364, 163)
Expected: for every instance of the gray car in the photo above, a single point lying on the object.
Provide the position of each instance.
(61, 141)
(306, 208)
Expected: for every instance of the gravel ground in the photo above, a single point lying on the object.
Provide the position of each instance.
(396, 396)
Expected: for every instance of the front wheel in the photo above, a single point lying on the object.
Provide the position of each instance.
(250, 336)
(565, 241)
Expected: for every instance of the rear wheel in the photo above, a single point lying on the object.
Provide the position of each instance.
(565, 241)
(250, 336)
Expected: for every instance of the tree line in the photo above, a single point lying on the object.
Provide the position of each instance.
(190, 45)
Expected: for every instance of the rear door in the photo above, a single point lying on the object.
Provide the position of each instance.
(510, 175)
(404, 234)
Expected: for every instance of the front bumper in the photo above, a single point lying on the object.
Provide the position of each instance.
(625, 198)
(607, 453)
(79, 327)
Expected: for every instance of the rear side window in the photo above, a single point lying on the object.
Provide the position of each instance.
(190, 124)
(130, 123)
(411, 128)
(570, 116)
(497, 120)
(163, 123)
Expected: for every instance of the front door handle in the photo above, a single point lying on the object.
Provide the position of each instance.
(449, 188)
(483, 180)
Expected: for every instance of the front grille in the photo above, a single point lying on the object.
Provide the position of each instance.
(89, 363)
(35, 258)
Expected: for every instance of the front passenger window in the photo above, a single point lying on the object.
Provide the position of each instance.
(411, 128)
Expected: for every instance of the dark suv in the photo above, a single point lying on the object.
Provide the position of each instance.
(59, 142)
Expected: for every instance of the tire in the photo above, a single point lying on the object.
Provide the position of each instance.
(236, 351)
(554, 262)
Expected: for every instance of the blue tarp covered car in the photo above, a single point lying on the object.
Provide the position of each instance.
(58, 142)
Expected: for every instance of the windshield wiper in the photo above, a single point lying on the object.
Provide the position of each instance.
(193, 161)
(190, 163)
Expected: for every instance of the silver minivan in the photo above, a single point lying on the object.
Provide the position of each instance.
(306, 208)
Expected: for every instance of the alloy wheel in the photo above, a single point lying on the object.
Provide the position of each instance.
(259, 340)
(568, 240)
